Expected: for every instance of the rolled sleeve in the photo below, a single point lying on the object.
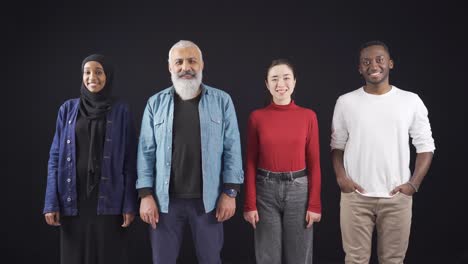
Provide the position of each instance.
(420, 129)
(339, 133)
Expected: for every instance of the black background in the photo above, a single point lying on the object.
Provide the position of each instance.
(45, 42)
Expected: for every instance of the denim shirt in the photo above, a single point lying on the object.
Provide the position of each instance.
(117, 192)
(220, 145)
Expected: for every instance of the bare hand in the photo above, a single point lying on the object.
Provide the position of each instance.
(347, 185)
(312, 217)
(53, 218)
(226, 207)
(127, 219)
(404, 188)
(252, 218)
(149, 211)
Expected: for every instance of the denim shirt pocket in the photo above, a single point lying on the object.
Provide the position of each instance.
(216, 132)
(159, 130)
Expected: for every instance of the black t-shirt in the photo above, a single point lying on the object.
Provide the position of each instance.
(186, 171)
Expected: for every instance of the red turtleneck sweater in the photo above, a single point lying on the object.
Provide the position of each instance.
(283, 138)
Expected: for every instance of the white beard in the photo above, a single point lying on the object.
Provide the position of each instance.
(187, 89)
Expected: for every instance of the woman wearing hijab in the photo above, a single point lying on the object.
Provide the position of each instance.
(92, 171)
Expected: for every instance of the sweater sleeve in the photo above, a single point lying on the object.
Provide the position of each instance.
(339, 135)
(313, 166)
(251, 166)
(420, 129)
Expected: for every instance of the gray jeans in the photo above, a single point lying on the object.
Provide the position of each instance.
(281, 235)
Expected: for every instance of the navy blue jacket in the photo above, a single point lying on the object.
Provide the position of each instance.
(117, 193)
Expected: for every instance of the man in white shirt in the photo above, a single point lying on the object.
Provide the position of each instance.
(370, 152)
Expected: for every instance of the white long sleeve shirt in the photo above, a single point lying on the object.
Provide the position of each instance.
(374, 130)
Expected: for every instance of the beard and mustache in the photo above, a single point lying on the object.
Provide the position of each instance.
(187, 88)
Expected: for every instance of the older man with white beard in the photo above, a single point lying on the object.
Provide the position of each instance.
(189, 161)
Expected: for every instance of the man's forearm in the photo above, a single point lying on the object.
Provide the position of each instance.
(423, 162)
(338, 164)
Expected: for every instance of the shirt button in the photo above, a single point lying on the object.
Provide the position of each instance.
(168, 147)
(68, 180)
(68, 199)
(68, 141)
(167, 163)
(68, 159)
(69, 122)
(166, 182)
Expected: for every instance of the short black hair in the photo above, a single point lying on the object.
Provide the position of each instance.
(374, 43)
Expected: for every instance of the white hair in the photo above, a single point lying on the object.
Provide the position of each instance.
(184, 44)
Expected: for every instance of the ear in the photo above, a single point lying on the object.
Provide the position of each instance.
(169, 67)
(266, 84)
(202, 65)
(390, 64)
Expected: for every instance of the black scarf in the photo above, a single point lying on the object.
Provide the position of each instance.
(94, 108)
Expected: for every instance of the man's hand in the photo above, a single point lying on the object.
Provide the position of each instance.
(252, 218)
(312, 217)
(347, 185)
(53, 218)
(405, 188)
(226, 207)
(149, 211)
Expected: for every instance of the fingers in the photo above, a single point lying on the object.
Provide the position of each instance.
(125, 220)
(149, 211)
(47, 219)
(394, 191)
(359, 188)
(252, 218)
(128, 219)
(52, 218)
(309, 220)
(223, 214)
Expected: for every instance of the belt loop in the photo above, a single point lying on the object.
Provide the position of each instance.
(268, 174)
(291, 176)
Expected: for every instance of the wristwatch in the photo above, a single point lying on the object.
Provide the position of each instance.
(230, 192)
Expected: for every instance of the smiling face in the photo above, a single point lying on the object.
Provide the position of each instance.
(281, 82)
(375, 65)
(185, 62)
(94, 77)
(186, 67)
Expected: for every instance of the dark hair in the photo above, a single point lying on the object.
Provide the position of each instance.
(374, 43)
(276, 62)
(280, 62)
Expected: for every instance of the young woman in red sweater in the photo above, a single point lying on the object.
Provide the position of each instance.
(282, 173)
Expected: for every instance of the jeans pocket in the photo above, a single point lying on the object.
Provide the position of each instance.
(301, 181)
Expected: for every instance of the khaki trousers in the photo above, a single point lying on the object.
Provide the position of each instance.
(392, 219)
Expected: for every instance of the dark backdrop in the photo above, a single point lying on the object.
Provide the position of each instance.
(45, 43)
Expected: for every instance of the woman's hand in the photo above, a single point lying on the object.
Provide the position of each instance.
(127, 219)
(312, 217)
(53, 218)
(252, 218)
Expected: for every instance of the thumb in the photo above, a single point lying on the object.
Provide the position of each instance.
(124, 220)
(359, 188)
(397, 189)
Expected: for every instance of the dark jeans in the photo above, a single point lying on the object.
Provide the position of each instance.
(207, 232)
(281, 235)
